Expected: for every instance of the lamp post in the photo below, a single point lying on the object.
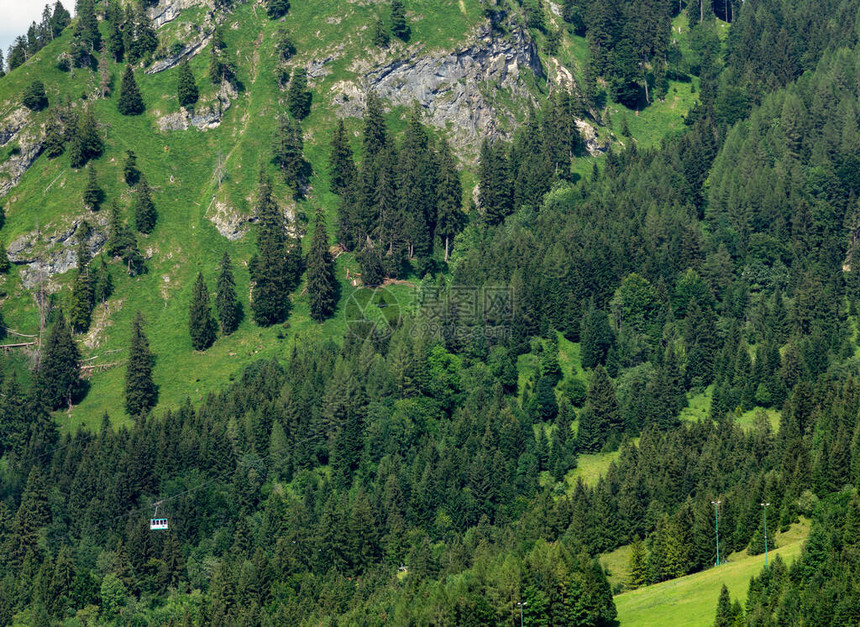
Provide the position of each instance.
(764, 506)
(716, 505)
(521, 604)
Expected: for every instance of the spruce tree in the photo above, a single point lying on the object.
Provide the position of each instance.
(341, 165)
(269, 270)
(93, 194)
(298, 97)
(226, 304)
(216, 66)
(381, 37)
(60, 369)
(375, 132)
(449, 215)
(141, 393)
(54, 143)
(35, 98)
(4, 259)
(289, 153)
(399, 26)
(601, 417)
(322, 283)
(130, 101)
(85, 141)
(725, 613)
(186, 87)
(60, 18)
(277, 8)
(129, 169)
(145, 215)
(201, 325)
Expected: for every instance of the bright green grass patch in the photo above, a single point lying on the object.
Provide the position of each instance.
(590, 468)
(692, 600)
(658, 120)
(746, 420)
(698, 406)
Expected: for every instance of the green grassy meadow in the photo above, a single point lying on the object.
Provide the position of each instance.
(691, 601)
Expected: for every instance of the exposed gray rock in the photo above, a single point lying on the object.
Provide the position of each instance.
(230, 222)
(317, 68)
(29, 141)
(168, 10)
(188, 52)
(458, 89)
(204, 116)
(13, 124)
(43, 255)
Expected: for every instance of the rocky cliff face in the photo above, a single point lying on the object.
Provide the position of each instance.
(27, 142)
(51, 250)
(459, 90)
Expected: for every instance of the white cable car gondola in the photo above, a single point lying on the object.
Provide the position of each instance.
(156, 523)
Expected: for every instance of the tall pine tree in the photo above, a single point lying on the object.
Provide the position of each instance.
(59, 374)
(226, 304)
(201, 325)
(322, 283)
(145, 215)
(341, 165)
(130, 101)
(141, 393)
(270, 269)
(186, 87)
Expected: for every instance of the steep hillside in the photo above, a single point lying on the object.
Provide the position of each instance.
(472, 76)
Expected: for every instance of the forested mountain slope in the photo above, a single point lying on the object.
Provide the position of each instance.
(347, 288)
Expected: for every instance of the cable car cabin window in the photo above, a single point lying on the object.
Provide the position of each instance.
(156, 524)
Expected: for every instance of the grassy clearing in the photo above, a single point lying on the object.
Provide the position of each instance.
(692, 600)
(590, 468)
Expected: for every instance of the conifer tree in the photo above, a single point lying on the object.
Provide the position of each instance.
(93, 194)
(123, 243)
(725, 613)
(381, 37)
(341, 164)
(129, 169)
(269, 270)
(289, 153)
(226, 304)
(35, 98)
(4, 259)
(130, 101)
(54, 143)
(601, 417)
(322, 283)
(375, 132)
(103, 288)
(399, 26)
(449, 216)
(85, 141)
(201, 325)
(87, 26)
(141, 393)
(60, 370)
(186, 87)
(145, 215)
(298, 97)
(115, 44)
(638, 564)
(277, 8)
(216, 67)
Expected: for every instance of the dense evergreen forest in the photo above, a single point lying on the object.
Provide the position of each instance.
(408, 469)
